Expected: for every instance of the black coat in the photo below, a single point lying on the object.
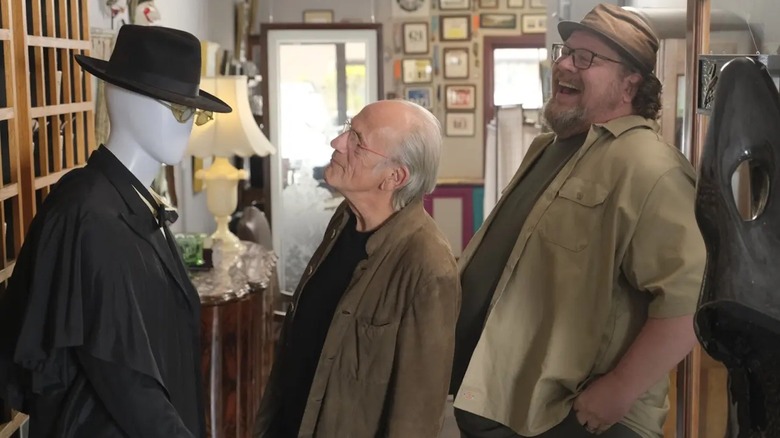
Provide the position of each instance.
(99, 326)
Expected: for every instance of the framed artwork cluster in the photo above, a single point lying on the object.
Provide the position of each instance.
(439, 55)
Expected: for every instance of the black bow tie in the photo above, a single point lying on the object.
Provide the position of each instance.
(166, 217)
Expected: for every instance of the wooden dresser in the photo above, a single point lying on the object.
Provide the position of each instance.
(237, 303)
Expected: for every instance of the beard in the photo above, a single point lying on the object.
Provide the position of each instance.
(564, 122)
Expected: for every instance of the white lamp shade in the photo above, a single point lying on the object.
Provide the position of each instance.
(234, 133)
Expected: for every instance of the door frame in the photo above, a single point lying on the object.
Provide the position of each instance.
(490, 43)
(267, 71)
(265, 27)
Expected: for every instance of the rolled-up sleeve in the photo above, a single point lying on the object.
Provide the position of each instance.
(666, 254)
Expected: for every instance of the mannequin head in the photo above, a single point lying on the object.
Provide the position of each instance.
(152, 93)
(144, 132)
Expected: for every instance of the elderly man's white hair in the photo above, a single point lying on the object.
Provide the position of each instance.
(419, 151)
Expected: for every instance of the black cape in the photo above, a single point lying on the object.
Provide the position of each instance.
(99, 326)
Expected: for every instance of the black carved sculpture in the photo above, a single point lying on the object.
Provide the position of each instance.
(738, 318)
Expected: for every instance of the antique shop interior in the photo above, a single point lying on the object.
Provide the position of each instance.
(300, 69)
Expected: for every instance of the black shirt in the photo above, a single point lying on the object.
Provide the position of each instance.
(317, 303)
(481, 275)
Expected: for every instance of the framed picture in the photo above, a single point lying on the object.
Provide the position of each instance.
(460, 97)
(459, 125)
(488, 4)
(417, 71)
(515, 3)
(533, 23)
(538, 4)
(415, 38)
(456, 63)
(421, 96)
(498, 21)
(318, 16)
(411, 8)
(455, 27)
(454, 5)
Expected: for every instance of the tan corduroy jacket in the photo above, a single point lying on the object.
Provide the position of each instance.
(385, 366)
(612, 241)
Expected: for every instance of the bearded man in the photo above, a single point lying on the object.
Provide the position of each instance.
(579, 289)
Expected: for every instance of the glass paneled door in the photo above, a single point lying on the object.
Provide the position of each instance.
(317, 79)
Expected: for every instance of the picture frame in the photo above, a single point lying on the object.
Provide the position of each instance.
(459, 125)
(488, 4)
(406, 9)
(533, 23)
(497, 21)
(415, 38)
(417, 70)
(455, 27)
(318, 16)
(456, 62)
(538, 4)
(515, 4)
(422, 96)
(460, 97)
(454, 5)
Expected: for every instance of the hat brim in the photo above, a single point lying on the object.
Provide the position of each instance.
(204, 101)
(566, 28)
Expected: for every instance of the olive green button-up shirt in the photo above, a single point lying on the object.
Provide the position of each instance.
(610, 242)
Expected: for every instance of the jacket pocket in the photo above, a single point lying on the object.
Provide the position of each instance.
(573, 215)
(373, 351)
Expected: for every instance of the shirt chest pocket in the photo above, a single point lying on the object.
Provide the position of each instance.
(574, 214)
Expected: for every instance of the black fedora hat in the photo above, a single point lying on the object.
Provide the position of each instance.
(158, 62)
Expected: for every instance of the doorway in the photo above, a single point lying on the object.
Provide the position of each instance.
(510, 61)
(317, 77)
(517, 83)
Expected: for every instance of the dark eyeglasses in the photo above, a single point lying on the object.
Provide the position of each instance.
(182, 113)
(581, 58)
(354, 139)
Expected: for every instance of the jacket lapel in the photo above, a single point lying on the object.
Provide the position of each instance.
(142, 221)
(148, 230)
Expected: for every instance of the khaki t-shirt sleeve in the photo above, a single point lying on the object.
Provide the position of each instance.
(666, 254)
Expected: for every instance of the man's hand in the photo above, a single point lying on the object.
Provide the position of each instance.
(603, 403)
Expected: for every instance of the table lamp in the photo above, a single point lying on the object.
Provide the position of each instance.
(234, 133)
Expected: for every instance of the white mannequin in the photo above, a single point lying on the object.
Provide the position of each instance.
(144, 133)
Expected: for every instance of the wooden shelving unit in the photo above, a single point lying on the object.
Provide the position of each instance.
(46, 115)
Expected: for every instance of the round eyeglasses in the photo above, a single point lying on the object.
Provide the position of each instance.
(182, 113)
(354, 139)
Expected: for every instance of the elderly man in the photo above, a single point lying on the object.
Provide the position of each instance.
(367, 345)
(579, 290)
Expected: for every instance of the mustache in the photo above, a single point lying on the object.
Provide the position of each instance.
(574, 82)
(563, 77)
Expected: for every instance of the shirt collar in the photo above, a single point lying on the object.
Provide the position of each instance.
(401, 224)
(622, 124)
